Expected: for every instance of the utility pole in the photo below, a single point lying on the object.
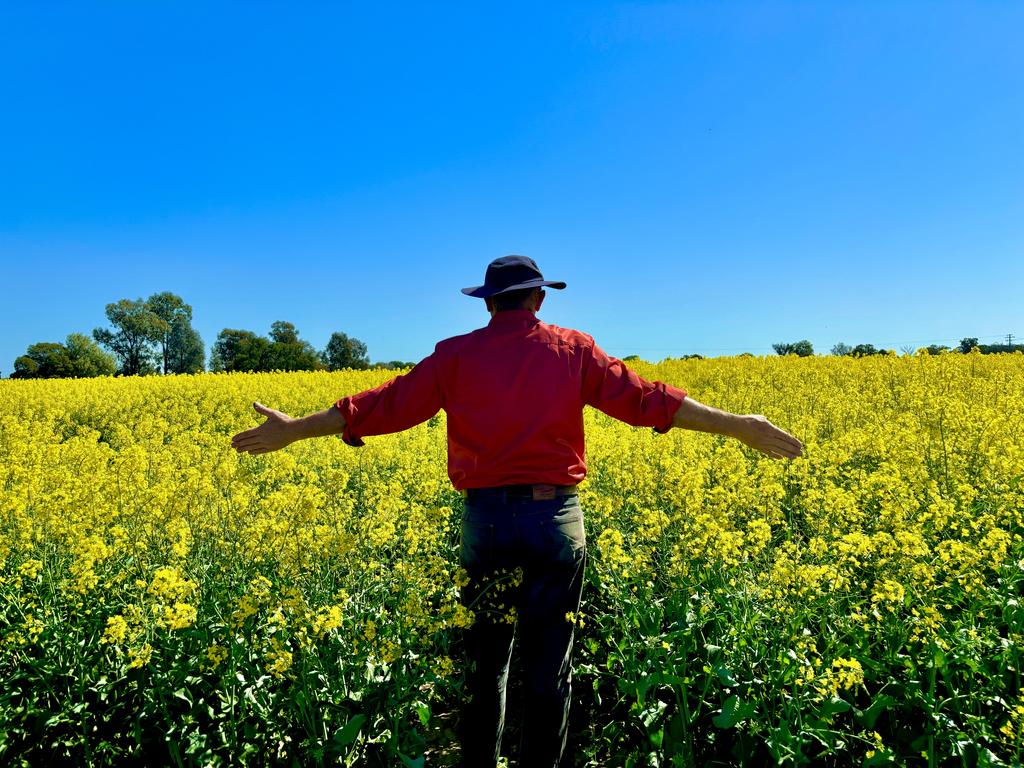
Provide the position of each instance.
(1009, 340)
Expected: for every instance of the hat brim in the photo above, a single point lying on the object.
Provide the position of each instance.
(484, 292)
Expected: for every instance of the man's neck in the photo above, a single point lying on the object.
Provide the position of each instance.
(518, 312)
(513, 315)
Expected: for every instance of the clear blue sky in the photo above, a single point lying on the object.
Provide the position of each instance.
(707, 177)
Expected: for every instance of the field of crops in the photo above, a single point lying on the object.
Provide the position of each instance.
(166, 600)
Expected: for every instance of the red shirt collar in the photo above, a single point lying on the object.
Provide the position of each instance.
(514, 317)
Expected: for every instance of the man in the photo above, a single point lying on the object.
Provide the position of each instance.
(514, 393)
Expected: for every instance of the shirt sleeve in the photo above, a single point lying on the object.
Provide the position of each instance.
(398, 404)
(612, 388)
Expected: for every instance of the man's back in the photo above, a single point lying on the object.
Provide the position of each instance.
(514, 393)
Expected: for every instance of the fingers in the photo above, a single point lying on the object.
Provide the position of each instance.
(782, 435)
(785, 448)
(774, 440)
(246, 438)
(253, 440)
(254, 448)
(262, 409)
(245, 435)
(244, 445)
(788, 440)
(778, 447)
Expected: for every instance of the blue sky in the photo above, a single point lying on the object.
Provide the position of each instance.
(707, 177)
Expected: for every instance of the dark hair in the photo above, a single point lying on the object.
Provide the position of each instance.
(511, 299)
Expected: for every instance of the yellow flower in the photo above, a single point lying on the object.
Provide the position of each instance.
(168, 584)
(216, 654)
(30, 568)
(327, 619)
(140, 656)
(463, 617)
(279, 661)
(179, 616)
(116, 631)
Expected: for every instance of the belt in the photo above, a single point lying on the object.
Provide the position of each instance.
(537, 492)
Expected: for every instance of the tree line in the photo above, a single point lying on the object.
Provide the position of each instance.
(803, 348)
(155, 336)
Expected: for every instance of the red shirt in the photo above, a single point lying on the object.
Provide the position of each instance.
(514, 393)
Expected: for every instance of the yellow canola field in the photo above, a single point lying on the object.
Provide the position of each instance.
(161, 592)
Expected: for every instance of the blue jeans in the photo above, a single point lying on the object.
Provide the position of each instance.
(525, 560)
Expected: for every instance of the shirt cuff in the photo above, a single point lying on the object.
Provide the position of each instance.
(674, 397)
(348, 411)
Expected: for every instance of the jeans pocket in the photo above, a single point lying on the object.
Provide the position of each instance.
(477, 546)
(566, 532)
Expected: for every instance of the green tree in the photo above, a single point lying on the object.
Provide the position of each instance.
(238, 350)
(865, 350)
(185, 352)
(802, 348)
(841, 349)
(283, 332)
(136, 330)
(345, 351)
(78, 357)
(45, 360)
(967, 344)
(290, 353)
(169, 308)
(294, 356)
(25, 367)
(87, 359)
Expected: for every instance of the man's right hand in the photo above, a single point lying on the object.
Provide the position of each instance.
(760, 434)
(753, 430)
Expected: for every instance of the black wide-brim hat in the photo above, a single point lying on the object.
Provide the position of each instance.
(511, 273)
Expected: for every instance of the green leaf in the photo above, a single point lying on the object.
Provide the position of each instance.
(651, 715)
(734, 712)
(834, 706)
(881, 703)
(646, 683)
(182, 694)
(423, 712)
(348, 734)
(409, 762)
(725, 676)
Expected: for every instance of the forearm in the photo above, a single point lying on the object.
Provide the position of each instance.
(320, 424)
(704, 418)
(751, 429)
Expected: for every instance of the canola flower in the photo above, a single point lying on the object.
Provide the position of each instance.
(305, 602)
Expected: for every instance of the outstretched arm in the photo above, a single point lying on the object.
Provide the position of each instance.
(397, 404)
(280, 429)
(610, 386)
(755, 431)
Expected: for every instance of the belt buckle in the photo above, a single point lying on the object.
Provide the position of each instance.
(543, 492)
